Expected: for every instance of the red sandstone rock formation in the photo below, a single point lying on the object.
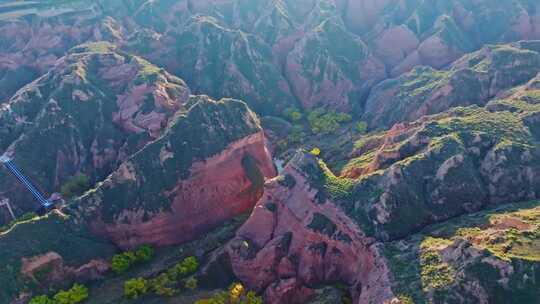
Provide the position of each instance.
(52, 266)
(291, 243)
(216, 190)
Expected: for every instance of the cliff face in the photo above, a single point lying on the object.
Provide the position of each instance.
(88, 113)
(208, 167)
(295, 240)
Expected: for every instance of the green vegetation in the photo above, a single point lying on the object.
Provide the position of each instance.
(135, 288)
(120, 263)
(237, 294)
(76, 294)
(188, 266)
(324, 121)
(405, 299)
(361, 127)
(297, 135)
(476, 248)
(191, 283)
(148, 73)
(75, 186)
(315, 152)
(435, 273)
(165, 284)
(292, 114)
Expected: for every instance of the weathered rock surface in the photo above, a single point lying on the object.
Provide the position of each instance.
(51, 269)
(208, 167)
(295, 240)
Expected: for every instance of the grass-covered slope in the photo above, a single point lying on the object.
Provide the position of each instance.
(487, 257)
(436, 168)
(473, 79)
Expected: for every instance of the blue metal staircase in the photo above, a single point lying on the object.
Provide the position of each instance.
(10, 165)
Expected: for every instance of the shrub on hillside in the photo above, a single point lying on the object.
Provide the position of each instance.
(135, 288)
(75, 186)
(76, 294)
(191, 283)
(188, 266)
(324, 121)
(235, 295)
(43, 299)
(120, 263)
(293, 114)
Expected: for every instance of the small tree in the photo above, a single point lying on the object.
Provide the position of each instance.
(293, 114)
(144, 253)
(191, 283)
(41, 300)
(135, 288)
(120, 263)
(76, 294)
(76, 186)
(190, 265)
(235, 292)
(163, 286)
(253, 298)
(361, 127)
(315, 151)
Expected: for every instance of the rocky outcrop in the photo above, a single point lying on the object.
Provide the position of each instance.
(93, 109)
(295, 240)
(49, 269)
(208, 167)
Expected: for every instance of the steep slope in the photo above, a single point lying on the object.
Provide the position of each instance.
(93, 109)
(296, 239)
(488, 257)
(63, 252)
(311, 225)
(208, 167)
(474, 79)
(218, 61)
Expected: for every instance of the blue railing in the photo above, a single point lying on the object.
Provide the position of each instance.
(8, 163)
